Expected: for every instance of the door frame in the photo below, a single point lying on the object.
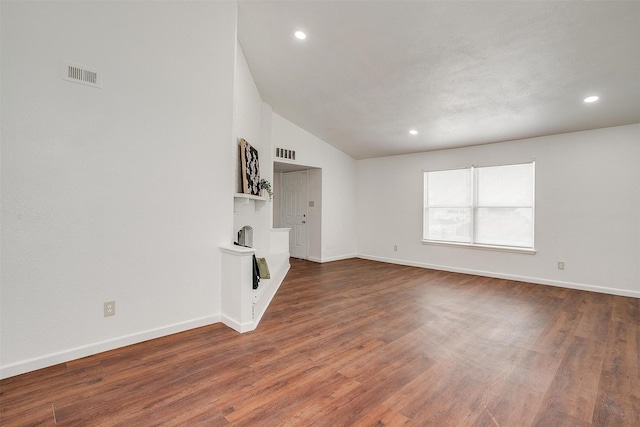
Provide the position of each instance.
(314, 212)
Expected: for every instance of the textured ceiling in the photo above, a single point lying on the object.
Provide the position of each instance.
(460, 73)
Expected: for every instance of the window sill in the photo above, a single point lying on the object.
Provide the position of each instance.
(485, 247)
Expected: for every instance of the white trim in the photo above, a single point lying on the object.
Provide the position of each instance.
(236, 326)
(280, 230)
(535, 280)
(237, 250)
(36, 363)
(478, 246)
(526, 162)
(249, 197)
(334, 258)
(331, 259)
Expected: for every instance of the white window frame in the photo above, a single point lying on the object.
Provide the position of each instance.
(474, 209)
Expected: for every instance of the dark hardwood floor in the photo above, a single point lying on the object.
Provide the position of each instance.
(362, 343)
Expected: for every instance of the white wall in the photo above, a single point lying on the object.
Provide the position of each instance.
(338, 186)
(587, 210)
(252, 120)
(314, 215)
(121, 193)
(277, 212)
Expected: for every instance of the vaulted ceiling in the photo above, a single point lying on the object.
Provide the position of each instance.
(457, 72)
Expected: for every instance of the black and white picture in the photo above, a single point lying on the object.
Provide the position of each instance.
(250, 168)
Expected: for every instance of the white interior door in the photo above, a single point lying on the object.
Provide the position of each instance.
(294, 211)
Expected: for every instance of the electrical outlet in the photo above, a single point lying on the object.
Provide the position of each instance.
(560, 265)
(395, 248)
(109, 308)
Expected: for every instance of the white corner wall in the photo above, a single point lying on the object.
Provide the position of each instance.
(314, 215)
(252, 120)
(338, 176)
(587, 210)
(121, 193)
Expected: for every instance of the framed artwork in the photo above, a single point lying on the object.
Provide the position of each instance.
(250, 169)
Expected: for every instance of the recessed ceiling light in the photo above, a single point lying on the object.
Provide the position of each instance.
(592, 98)
(413, 132)
(300, 35)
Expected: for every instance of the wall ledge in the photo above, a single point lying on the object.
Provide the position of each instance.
(237, 250)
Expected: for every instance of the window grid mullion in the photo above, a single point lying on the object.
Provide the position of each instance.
(474, 202)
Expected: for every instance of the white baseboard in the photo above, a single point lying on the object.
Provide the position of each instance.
(536, 280)
(237, 326)
(333, 258)
(36, 363)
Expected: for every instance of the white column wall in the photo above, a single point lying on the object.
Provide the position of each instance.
(251, 121)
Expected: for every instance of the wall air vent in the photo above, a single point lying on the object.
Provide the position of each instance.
(80, 74)
(283, 153)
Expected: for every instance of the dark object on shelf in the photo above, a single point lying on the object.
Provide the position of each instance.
(250, 169)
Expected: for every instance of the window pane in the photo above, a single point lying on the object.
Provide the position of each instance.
(505, 185)
(448, 188)
(448, 224)
(505, 227)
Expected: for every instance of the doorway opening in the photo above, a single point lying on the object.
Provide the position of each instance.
(297, 205)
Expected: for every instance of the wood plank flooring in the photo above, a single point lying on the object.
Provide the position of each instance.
(362, 343)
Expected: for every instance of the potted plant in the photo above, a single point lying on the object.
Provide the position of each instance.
(266, 186)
